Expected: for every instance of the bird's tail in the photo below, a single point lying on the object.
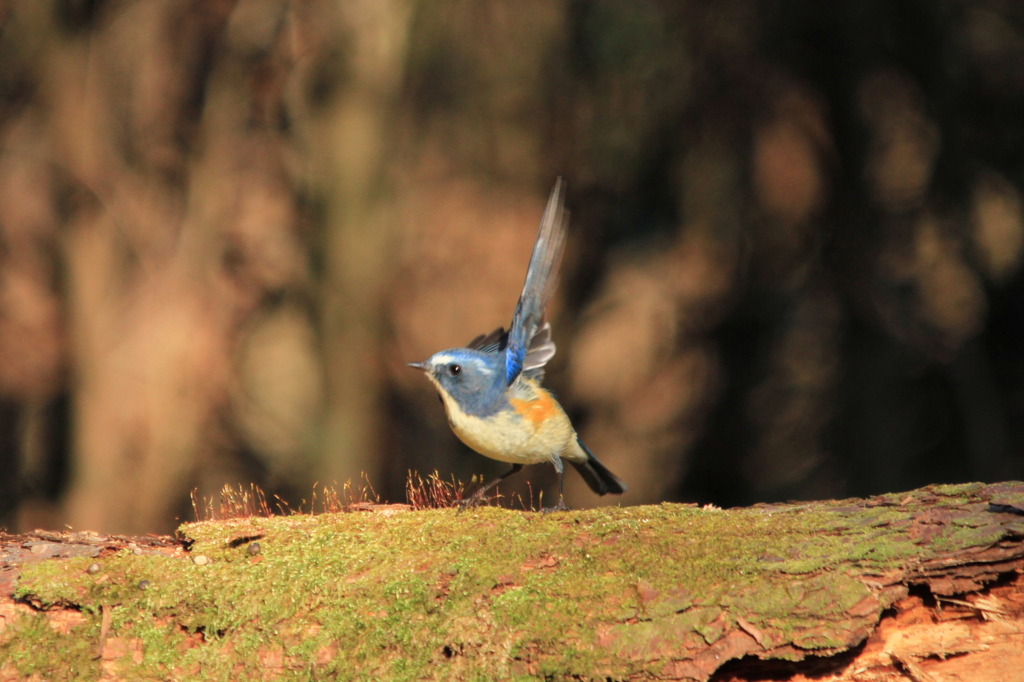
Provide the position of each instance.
(597, 476)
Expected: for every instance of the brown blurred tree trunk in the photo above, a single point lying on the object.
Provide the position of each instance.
(349, 136)
(148, 337)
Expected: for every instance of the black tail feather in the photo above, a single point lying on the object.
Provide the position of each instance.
(597, 476)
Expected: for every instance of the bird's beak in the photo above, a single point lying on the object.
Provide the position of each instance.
(418, 365)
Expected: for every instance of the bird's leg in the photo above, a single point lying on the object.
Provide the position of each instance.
(475, 499)
(556, 461)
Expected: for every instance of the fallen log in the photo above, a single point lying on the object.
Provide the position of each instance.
(916, 586)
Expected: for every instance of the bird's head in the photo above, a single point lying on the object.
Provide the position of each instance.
(473, 380)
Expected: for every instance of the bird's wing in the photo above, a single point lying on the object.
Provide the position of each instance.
(528, 321)
(540, 350)
(490, 343)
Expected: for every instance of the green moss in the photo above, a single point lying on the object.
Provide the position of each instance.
(959, 490)
(30, 645)
(415, 595)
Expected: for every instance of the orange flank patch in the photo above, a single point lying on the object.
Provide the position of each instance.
(538, 410)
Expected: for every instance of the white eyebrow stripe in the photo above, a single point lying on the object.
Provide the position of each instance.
(478, 364)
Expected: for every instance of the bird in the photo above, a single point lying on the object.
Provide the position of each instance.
(491, 389)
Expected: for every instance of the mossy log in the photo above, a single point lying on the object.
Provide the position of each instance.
(895, 586)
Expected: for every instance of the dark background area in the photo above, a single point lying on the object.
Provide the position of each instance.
(793, 271)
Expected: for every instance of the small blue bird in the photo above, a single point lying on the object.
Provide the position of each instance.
(491, 388)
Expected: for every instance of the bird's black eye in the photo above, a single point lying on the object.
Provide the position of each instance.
(455, 370)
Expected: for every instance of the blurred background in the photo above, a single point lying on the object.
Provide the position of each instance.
(793, 272)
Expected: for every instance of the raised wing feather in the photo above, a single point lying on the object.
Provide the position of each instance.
(541, 278)
(490, 343)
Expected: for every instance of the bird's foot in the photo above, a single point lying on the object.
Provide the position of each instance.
(560, 506)
(471, 502)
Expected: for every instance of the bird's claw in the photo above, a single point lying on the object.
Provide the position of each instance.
(470, 502)
(560, 506)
